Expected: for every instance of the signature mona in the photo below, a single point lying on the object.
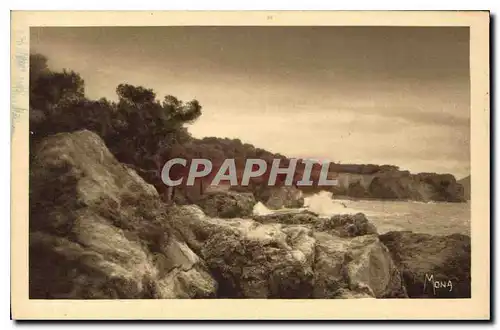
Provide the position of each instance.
(437, 285)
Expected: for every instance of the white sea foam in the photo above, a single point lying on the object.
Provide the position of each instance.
(320, 203)
(323, 204)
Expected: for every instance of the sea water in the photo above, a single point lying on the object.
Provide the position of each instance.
(437, 218)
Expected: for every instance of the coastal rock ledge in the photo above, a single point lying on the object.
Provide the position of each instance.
(99, 231)
(432, 266)
(249, 259)
(227, 204)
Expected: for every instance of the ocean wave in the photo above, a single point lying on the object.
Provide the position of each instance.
(323, 204)
(320, 203)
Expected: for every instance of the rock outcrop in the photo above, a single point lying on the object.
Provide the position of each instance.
(355, 266)
(432, 266)
(347, 225)
(97, 230)
(400, 185)
(250, 259)
(422, 187)
(280, 197)
(342, 225)
(227, 204)
(290, 217)
(465, 182)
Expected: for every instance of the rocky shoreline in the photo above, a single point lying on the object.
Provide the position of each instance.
(99, 231)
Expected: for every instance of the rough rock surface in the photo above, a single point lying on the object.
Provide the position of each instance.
(343, 225)
(97, 230)
(400, 185)
(227, 204)
(432, 266)
(280, 197)
(272, 260)
(347, 225)
(466, 185)
(360, 265)
(421, 186)
(290, 217)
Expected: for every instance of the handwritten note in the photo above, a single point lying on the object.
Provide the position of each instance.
(20, 80)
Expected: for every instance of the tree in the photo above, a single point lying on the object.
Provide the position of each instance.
(54, 87)
(139, 129)
(38, 66)
(135, 95)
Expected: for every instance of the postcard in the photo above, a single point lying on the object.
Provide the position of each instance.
(250, 165)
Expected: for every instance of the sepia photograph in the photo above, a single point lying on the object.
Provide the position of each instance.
(252, 162)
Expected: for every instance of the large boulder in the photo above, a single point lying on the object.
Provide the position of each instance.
(347, 225)
(250, 259)
(258, 262)
(432, 266)
(280, 197)
(97, 230)
(227, 204)
(360, 266)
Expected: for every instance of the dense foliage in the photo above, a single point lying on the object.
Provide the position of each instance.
(139, 129)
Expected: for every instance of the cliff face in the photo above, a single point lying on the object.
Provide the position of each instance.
(97, 230)
(400, 185)
(422, 187)
(465, 182)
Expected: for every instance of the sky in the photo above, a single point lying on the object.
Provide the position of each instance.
(377, 95)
